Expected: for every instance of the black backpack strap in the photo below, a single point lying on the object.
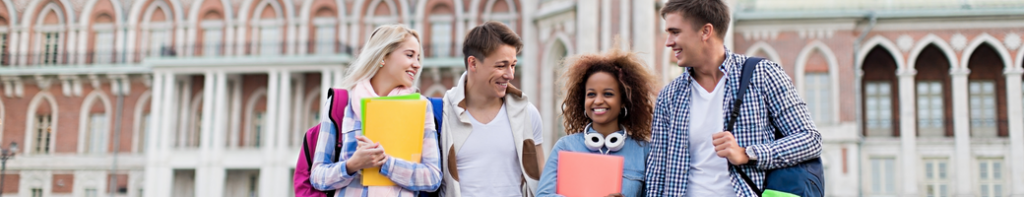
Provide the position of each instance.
(748, 72)
(305, 150)
(337, 131)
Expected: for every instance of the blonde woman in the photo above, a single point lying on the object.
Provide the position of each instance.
(387, 66)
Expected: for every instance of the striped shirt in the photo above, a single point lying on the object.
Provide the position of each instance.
(410, 177)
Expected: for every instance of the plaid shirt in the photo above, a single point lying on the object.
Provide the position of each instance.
(410, 177)
(771, 102)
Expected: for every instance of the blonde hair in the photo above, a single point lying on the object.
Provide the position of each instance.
(384, 40)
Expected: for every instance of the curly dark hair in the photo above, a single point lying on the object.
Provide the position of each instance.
(635, 80)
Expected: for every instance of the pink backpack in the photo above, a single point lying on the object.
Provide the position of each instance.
(339, 100)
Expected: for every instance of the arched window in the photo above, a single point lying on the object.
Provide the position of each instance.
(934, 110)
(817, 87)
(49, 35)
(268, 18)
(157, 26)
(142, 124)
(503, 11)
(256, 119)
(95, 130)
(380, 12)
(986, 90)
(441, 19)
(213, 34)
(42, 124)
(103, 49)
(880, 94)
(326, 29)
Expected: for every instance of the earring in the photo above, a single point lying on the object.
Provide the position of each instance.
(625, 111)
(382, 64)
(585, 114)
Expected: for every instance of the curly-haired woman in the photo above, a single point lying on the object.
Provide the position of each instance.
(609, 96)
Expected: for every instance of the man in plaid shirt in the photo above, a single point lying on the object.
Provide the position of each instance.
(690, 153)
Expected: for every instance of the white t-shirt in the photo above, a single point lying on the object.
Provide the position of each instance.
(488, 162)
(709, 173)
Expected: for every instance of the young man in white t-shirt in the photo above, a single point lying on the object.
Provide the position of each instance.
(490, 134)
(691, 150)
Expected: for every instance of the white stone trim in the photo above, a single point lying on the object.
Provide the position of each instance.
(51, 6)
(147, 16)
(13, 21)
(260, 23)
(932, 39)
(84, 122)
(157, 25)
(306, 11)
(885, 44)
(992, 41)
(40, 179)
(279, 14)
(773, 55)
(236, 110)
(458, 12)
(103, 27)
(434, 18)
(212, 24)
(33, 106)
(85, 20)
(50, 28)
(833, 73)
(325, 21)
(403, 5)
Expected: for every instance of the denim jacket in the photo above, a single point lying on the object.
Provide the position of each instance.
(634, 152)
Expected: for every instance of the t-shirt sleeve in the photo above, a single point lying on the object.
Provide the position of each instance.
(538, 125)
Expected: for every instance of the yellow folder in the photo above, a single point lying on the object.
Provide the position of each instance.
(398, 126)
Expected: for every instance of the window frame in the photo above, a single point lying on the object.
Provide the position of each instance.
(324, 27)
(941, 177)
(977, 107)
(881, 183)
(818, 96)
(927, 107)
(990, 171)
(97, 133)
(44, 125)
(884, 126)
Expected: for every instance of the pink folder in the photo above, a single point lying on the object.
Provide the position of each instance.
(588, 174)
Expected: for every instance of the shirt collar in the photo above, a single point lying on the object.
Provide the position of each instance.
(729, 62)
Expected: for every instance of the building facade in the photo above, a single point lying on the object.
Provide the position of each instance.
(211, 97)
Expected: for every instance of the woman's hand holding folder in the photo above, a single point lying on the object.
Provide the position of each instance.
(368, 155)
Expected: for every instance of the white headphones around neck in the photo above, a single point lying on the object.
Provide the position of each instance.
(595, 141)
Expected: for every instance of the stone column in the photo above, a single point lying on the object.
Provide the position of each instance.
(908, 132)
(962, 136)
(1016, 114)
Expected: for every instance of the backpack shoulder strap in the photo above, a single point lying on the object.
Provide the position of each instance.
(339, 101)
(305, 151)
(748, 72)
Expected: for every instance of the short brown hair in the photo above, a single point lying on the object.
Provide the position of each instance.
(701, 12)
(485, 39)
(635, 81)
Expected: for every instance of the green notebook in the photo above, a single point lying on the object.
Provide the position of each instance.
(362, 112)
